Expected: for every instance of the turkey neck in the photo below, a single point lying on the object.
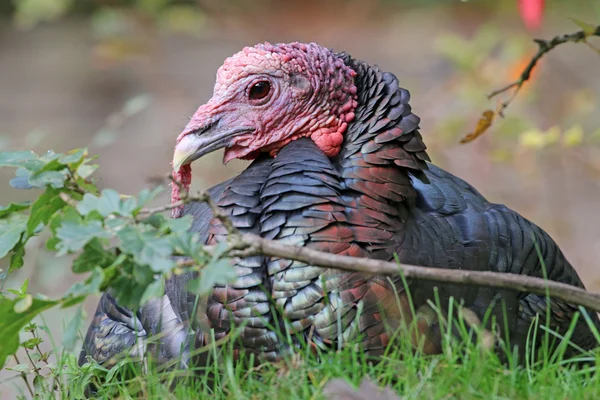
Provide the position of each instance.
(382, 148)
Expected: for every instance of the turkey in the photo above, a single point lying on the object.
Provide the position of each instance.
(340, 166)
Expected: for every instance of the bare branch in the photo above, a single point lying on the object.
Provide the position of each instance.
(250, 245)
(544, 46)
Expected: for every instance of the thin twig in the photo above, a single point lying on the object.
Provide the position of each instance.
(24, 376)
(544, 46)
(68, 199)
(168, 207)
(203, 197)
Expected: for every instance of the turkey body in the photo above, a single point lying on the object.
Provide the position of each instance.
(378, 198)
(298, 198)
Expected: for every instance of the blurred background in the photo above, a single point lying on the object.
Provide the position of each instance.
(122, 77)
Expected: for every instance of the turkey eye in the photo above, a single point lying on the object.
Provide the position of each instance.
(259, 90)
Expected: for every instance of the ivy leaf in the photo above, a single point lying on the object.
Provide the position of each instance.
(73, 236)
(43, 209)
(13, 208)
(12, 322)
(71, 331)
(217, 272)
(94, 255)
(11, 229)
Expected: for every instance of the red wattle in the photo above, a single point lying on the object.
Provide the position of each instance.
(184, 178)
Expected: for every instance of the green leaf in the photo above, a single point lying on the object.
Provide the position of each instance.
(16, 259)
(13, 207)
(109, 202)
(24, 287)
(588, 29)
(49, 156)
(179, 225)
(80, 290)
(71, 332)
(94, 255)
(73, 156)
(23, 158)
(11, 229)
(25, 368)
(40, 386)
(217, 272)
(85, 170)
(12, 322)
(128, 291)
(55, 179)
(68, 214)
(44, 209)
(31, 342)
(154, 290)
(88, 204)
(147, 248)
(74, 236)
(146, 195)
(21, 181)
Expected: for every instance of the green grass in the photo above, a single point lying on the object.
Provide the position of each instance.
(464, 370)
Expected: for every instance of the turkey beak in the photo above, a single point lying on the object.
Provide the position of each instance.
(196, 143)
(199, 142)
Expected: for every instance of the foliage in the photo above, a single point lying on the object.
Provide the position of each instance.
(117, 243)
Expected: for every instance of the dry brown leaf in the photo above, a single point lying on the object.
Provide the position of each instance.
(487, 117)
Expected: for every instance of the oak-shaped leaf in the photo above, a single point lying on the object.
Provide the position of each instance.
(147, 247)
(74, 235)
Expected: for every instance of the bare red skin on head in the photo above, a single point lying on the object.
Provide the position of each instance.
(314, 96)
(184, 179)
